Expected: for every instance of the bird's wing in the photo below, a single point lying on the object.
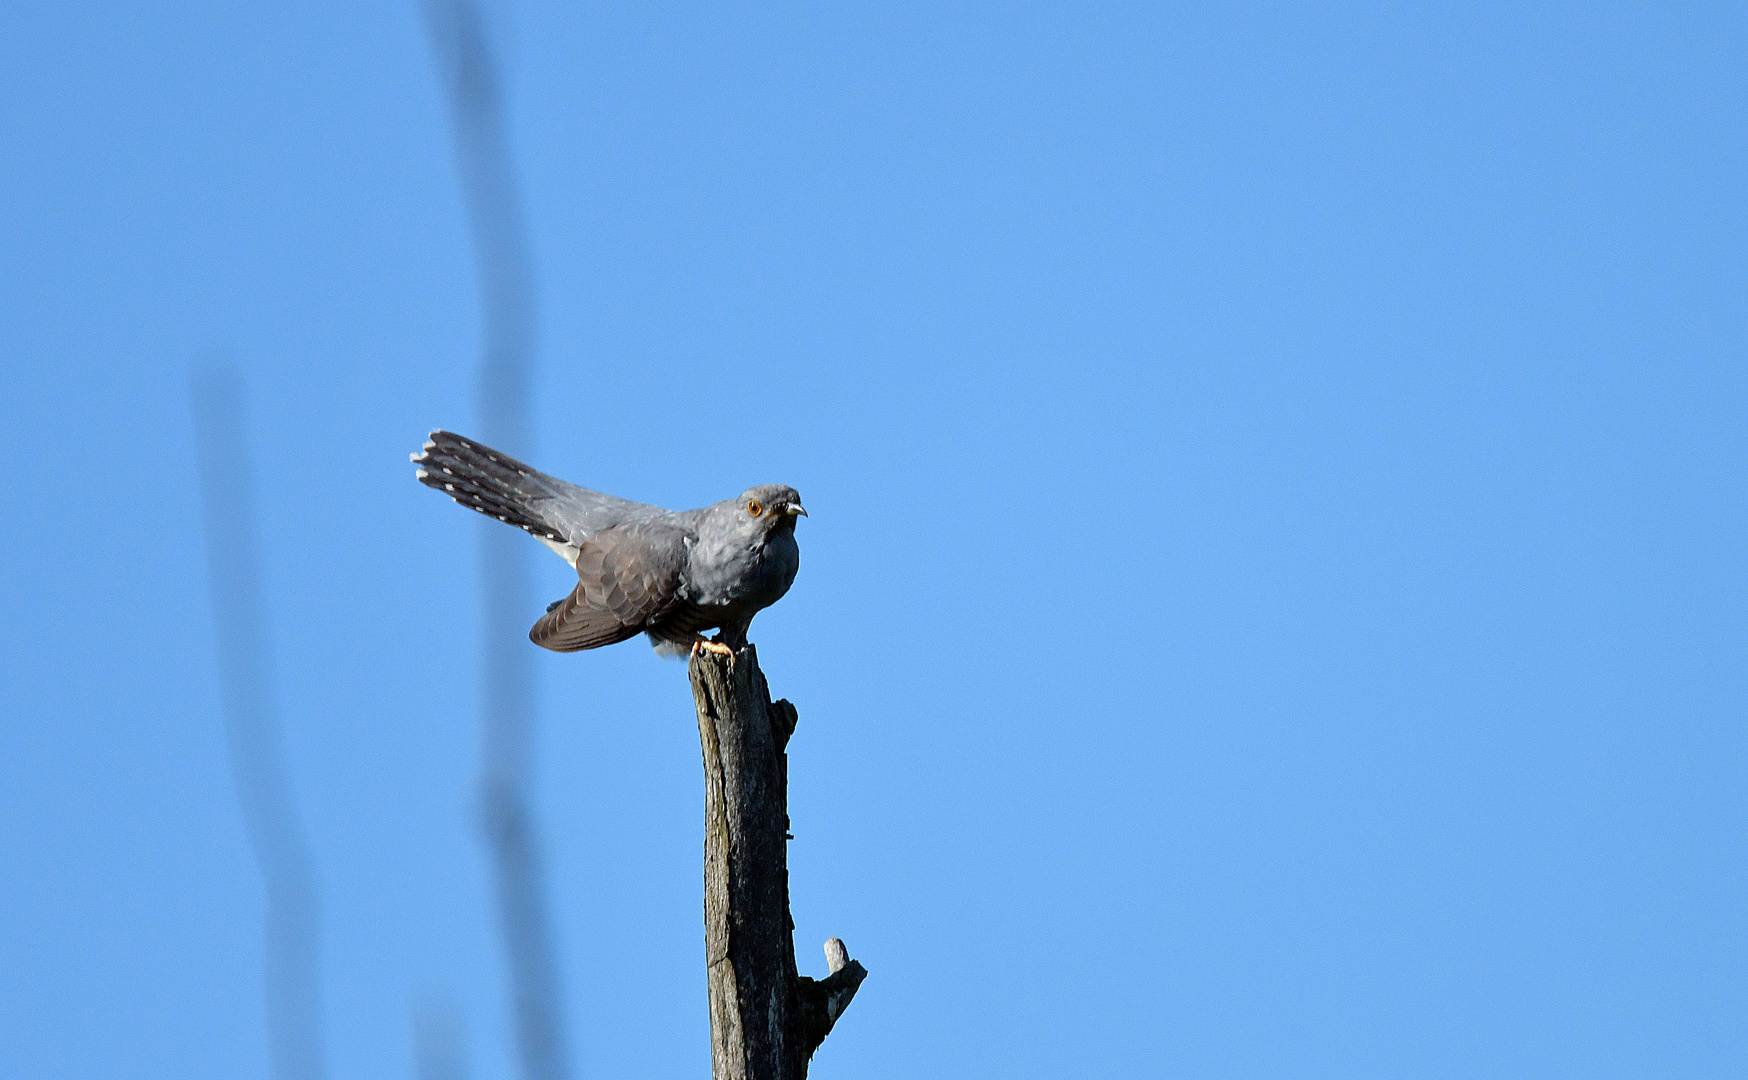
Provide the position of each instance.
(499, 486)
(628, 577)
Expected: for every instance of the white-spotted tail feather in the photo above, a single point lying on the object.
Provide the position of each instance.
(494, 484)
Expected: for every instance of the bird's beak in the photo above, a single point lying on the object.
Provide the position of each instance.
(793, 509)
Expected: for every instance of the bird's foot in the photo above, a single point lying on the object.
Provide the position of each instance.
(717, 647)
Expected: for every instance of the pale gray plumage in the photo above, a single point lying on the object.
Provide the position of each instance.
(640, 568)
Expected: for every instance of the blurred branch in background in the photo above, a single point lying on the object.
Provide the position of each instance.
(252, 728)
(439, 1052)
(470, 77)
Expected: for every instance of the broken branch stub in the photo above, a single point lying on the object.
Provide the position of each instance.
(766, 1019)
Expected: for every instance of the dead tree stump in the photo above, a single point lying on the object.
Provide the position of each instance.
(766, 1019)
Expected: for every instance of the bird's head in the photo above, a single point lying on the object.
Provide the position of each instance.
(768, 508)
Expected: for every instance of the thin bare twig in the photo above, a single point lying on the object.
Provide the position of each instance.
(470, 76)
(252, 729)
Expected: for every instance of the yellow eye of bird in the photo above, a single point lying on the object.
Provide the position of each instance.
(753, 508)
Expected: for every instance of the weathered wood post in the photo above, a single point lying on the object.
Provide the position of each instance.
(766, 1020)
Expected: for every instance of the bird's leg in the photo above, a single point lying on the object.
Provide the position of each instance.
(733, 635)
(730, 639)
(704, 644)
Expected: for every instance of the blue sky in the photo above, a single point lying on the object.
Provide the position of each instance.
(1273, 599)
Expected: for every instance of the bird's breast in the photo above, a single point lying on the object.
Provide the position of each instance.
(741, 575)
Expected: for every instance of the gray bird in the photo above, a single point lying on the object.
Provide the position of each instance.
(640, 569)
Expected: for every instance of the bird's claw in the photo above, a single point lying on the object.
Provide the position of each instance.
(706, 645)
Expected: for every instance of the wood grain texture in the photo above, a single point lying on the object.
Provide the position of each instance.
(766, 1020)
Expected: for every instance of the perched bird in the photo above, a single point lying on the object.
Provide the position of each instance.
(640, 569)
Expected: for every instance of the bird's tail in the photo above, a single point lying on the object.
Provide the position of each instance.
(482, 479)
